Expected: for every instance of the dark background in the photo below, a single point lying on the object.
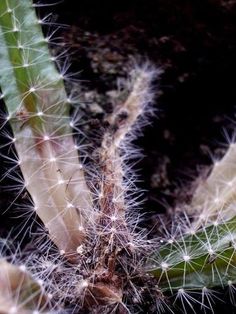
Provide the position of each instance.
(194, 42)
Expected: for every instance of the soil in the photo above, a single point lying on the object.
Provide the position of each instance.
(194, 43)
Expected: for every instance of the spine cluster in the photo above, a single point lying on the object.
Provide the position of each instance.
(38, 112)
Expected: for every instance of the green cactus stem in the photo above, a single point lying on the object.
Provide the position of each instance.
(38, 112)
(203, 258)
(19, 292)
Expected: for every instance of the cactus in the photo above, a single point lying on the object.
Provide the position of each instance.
(216, 196)
(20, 293)
(38, 113)
(102, 262)
(197, 259)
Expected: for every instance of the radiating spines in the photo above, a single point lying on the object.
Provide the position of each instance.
(215, 196)
(192, 264)
(38, 112)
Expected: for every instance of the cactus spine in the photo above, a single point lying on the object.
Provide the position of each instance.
(198, 259)
(38, 108)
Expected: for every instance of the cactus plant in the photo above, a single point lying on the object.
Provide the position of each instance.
(19, 292)
(96, 257)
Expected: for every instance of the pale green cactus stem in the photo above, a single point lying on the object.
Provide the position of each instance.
(19, 292)
(205, 255)
(202, 259)
(215, 197)
(38, 112)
